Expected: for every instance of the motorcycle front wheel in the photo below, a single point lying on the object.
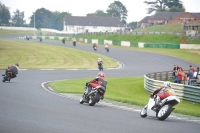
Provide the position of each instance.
(94, 99)
(164, 112)
(143, 112)
(81, 100)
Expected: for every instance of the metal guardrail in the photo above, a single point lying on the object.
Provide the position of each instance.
(133, 33)
(184, 92)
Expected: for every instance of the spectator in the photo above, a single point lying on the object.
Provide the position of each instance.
(196, 72)
(175, 70)
(192, 68)
(185, 79)
(197, 76)
(191, 76)
(179, 75)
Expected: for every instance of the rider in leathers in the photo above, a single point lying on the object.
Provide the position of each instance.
(14, 69)
(164, 91)
(99, 62)
(98, 81)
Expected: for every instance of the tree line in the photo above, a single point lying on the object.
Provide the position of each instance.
(43, 18)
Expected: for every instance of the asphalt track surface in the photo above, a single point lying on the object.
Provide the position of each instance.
(26, 107)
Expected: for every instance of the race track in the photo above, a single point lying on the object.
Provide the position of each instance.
(27, 107)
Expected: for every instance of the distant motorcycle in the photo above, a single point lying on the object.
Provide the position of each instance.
(162, 111)
(107, 49)
(74, 43)
(95, 48)
(63, 40)
(27, 37)
(40, 39)
(93, 96)
(100, 66)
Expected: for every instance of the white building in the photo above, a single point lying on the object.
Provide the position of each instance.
(82, 24)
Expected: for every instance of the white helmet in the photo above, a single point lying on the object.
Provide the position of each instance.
(99, 59)
(167, 84)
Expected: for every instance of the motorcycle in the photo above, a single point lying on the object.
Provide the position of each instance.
(107, 49)
(93, 96)
(7, 76)
(100, 66)
(95, 48)
(27, 37)
(63, 41)
(162, 111)
(74, 43)
(40, 39)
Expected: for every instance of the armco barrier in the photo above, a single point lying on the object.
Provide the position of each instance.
(184, 92)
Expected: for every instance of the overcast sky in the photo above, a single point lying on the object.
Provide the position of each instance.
(136, 8)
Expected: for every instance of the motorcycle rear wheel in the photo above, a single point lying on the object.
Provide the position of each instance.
(164, 112)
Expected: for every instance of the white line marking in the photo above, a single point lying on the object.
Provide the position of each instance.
(47, 69)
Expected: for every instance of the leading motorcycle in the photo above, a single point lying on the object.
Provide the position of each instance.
(93, 95)
(163, 110)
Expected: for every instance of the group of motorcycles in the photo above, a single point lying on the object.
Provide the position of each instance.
(93, 95)
(161, 112)
(95, 48)
(63, 42)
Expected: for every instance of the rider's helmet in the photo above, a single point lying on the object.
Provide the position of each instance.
(167, 84)
(101, 74)
(16, 64)
(99, 59)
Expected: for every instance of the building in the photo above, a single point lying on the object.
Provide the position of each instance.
(144, 22)
(82, 24)
(170, 17)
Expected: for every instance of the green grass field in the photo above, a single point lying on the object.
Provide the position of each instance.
(16, 32)
(126, 89)
(162, 28)
(32, 55)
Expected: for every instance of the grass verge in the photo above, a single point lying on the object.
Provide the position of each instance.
(32, 55)
(127, 90)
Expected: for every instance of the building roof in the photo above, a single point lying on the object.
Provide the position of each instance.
(196, 14)
(144, 20)
(166, 15)
(93, 21)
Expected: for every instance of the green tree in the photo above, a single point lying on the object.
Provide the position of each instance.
(164, 5)
(42, 19)
(132, 25)
(18, 18)
(47, 19)
(117, 9)
(99, 13)
(176, 9)
(58, 19)
(4, 14)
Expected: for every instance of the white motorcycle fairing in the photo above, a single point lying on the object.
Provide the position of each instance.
(173, 100)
